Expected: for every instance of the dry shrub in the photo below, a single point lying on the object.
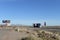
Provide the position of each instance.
(31, 38)
(21, 30)
(40, 36)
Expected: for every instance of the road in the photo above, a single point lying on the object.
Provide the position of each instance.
(52, 30)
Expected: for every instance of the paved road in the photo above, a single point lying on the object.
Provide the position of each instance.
(52, 30)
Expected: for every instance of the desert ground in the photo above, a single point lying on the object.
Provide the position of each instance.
(17, 33)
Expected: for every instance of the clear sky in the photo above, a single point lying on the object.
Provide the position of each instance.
(30, 11)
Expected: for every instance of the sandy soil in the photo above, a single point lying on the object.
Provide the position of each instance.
(11, 35)
(8, 33)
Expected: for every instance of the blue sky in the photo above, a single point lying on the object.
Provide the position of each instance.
(30, 11)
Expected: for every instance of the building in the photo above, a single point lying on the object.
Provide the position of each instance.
(36, 25)
(6, 22)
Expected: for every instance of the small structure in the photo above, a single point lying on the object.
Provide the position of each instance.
(36, 25)
(44, 24)
(6, 22)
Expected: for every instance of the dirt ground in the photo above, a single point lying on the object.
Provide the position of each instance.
(6, 34)
(9, 33)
